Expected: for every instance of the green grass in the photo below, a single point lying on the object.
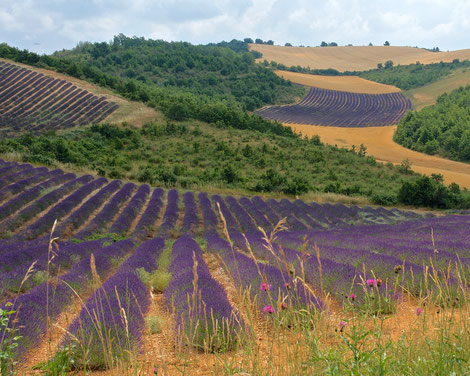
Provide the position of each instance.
(197, 156)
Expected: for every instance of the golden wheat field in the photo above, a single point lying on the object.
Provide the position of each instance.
(352, 84)
(353, 58)
(379, 143)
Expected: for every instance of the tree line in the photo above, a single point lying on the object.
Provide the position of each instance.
(442, 129)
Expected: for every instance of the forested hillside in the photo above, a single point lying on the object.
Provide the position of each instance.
(209, 83)
(213, 71)
(442, 129)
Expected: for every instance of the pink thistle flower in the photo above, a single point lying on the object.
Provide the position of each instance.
(342, 325)
(352, 297)
(371, 282)
(265, 287)
(268, 309)
(419, 311)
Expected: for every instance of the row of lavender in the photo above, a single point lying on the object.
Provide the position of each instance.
(85, 207)
(347, 253)
(265, 214)
(342, 109)
(31, 101)
(341, 259)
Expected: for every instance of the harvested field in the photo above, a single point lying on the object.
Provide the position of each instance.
(427, 95)
(379, 143)
(351, 84)
(353, 58)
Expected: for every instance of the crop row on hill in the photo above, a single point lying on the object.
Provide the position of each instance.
(33, 102)
(355, 244)
(342, 109)
(248, 87)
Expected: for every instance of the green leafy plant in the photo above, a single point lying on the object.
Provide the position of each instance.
(8, 341)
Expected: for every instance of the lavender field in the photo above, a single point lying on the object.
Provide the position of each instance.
(34, 102)
(114, 236)
(341, 109)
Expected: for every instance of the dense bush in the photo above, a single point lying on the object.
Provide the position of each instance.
(195, 156)
(442, 129)
(431, 192)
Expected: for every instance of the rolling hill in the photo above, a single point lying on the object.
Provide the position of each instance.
(192, 244)
(427, 95)
(352, 84)
(127, 111)
(353, 58)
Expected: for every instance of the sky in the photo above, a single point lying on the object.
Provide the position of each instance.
(44, 26)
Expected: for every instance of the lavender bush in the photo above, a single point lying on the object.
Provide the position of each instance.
(204, 316)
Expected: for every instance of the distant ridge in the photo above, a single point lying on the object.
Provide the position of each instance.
(353, 58)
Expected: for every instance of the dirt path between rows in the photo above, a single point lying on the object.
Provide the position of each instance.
(379, 143)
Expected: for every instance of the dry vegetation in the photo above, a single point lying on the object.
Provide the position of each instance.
(135, 113)
(379, 143)
(351, 84)
(427, 95)
(354, 58)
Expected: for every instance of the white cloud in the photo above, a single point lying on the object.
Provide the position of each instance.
(58, 24)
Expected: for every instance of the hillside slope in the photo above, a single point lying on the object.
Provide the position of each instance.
(427, 95)
(353, 58)
(132, 112)
(352, 84)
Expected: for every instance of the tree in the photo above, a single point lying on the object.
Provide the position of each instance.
(380, 65)
(270, 42)
(387, 43)
(388, 64)
(362, 150)
(405, 166)
(288, 45)
(323, 44)
(248, 40)
(259, 41)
